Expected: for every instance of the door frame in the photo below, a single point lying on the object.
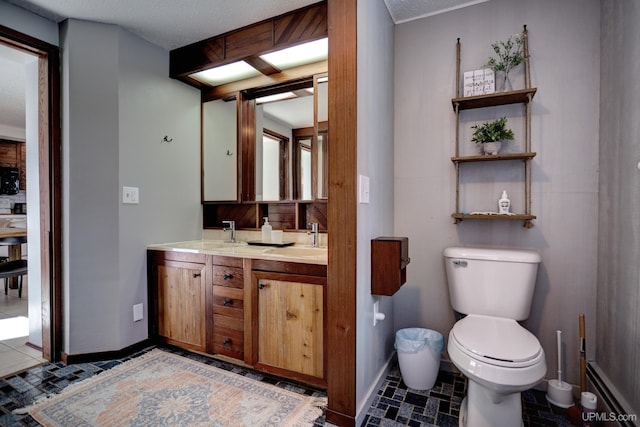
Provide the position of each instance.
(50, 167)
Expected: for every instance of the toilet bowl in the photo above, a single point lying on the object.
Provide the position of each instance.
(500, 360)
(499, 357)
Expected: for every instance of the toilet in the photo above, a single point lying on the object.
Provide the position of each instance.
(493, 288)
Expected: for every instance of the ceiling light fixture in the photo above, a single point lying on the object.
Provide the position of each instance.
(301, 54)
(275, 97)
(226, 73)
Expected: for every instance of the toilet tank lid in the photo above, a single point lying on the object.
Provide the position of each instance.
(504, 255)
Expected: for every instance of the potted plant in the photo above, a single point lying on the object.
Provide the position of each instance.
(509, 54)
(491, 134)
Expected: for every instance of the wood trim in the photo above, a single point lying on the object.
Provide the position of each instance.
(247, 159)
(342, 213)
(49, 147)
(69, 359)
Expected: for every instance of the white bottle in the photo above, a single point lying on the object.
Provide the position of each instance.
(266, 230)
(504, 203)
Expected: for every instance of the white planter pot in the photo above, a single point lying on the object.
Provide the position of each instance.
(491, 148)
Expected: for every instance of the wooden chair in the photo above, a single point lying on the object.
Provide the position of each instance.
(16, 268)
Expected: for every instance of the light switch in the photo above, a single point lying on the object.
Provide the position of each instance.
(130, 195)
(363, 184)
(138, 314)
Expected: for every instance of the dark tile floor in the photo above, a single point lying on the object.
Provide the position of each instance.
(395, 404)
(23, 388)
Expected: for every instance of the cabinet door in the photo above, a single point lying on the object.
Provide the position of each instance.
(181, 303)
(291, 324)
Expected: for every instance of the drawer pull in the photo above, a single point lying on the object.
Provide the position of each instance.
(226, 342)
(227, 302)
(196, 275)
(227, 276)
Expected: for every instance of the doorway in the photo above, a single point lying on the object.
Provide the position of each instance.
(45, 263)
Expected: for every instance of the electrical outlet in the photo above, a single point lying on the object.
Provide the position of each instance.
(138, 313)
(130, 195)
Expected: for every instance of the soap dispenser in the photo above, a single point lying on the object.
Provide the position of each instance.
(504, 203)
(266, 230)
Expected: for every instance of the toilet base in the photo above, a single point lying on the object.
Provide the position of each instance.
(482, 408)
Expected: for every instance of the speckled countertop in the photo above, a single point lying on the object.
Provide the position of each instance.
(296, 253)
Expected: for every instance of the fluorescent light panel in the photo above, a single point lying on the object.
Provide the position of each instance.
(295, 56)
(302, 54)
(275, 97)
(226, 73)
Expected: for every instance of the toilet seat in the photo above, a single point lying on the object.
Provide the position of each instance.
(496, 341)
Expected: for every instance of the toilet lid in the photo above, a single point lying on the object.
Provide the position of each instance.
(499, 341)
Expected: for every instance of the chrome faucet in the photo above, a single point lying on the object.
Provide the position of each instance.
(314, 234)
(232, 228)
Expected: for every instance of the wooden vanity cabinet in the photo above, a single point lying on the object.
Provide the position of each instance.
(268, 314)
(178, 298)
(289, 331)
(226, 315)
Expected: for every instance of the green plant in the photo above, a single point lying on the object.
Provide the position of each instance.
(492, 131)
(509, 54)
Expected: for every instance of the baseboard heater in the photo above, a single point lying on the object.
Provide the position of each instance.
(611, 398)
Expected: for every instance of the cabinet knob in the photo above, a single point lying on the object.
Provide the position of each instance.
(195, 275)
(227, 276)
(261, 286)
(226, 342)
(227, 301)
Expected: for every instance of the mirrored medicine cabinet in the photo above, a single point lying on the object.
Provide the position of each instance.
(267, 144)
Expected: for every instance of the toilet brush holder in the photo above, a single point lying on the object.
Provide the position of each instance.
(560, 393)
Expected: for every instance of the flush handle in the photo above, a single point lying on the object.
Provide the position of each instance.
(460, 262)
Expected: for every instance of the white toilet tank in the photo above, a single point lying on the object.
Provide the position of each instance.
(491, 282)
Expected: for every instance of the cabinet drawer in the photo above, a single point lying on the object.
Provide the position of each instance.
(229, 342)
(228, 322)
(228, 276)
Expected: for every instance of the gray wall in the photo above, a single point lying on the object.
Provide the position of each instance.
(618, 311)
(118, 104)
(374, 345)
(28, 23)
(564, 47)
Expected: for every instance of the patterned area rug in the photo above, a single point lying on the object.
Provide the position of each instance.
(164, 389)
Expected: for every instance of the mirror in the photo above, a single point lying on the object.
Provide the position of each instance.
(284, 144)
(220, 150)
(277, 124)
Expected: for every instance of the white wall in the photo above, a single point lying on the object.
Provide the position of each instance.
(118, 105)
(374, 345)
(564, 47)
(33, 199)
(618, 334)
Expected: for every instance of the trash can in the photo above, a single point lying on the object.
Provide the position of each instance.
(419, 352)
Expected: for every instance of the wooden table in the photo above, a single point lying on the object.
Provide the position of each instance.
(14, 238)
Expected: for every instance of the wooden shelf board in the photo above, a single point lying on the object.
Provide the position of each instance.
(518, 217)
(494, 99)
(489, 158)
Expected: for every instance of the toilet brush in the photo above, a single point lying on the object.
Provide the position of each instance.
(559, 393)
